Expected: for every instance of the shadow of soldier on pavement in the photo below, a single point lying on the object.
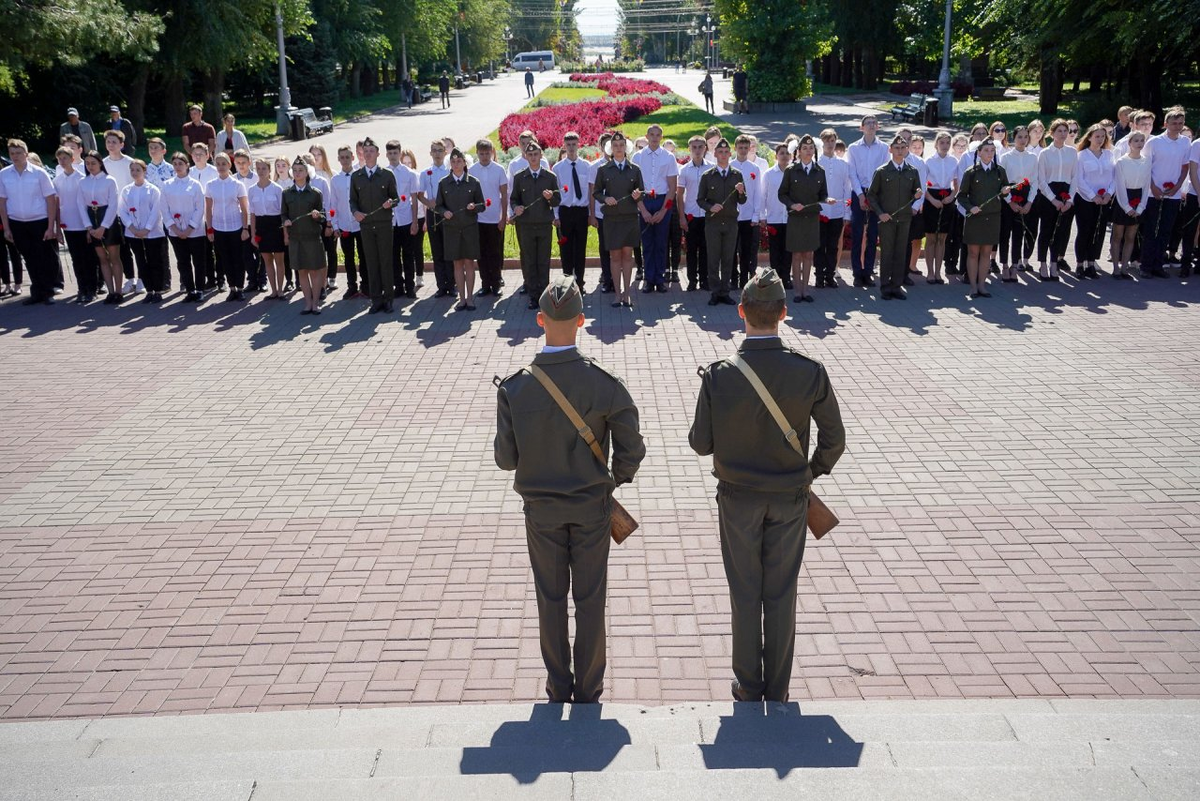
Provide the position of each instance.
(778, 737)
(547, 743)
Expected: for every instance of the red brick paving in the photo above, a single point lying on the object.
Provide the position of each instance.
(233, 509)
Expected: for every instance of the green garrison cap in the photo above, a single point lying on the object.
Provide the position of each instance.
(561, 299)
(763, 286)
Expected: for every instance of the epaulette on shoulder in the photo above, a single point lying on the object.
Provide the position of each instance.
(497, 381)
(603, 369)
(804, 356)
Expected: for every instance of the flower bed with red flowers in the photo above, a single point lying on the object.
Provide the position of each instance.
(617, 85)
(589, 119)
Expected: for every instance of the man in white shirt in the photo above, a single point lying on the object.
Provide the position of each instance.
(750, 212)
(28, 212)
(494, 182)
(204, 173)
(833, 217)
(864, 156)
(407, 242)
(691, 216)
(346, 229)
(660, 174)
(431, 176)
(572, 214)
(116, 164)
(1191, 212)
(1168, 153)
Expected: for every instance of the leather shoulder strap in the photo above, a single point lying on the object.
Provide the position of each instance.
(781, 420)
(581, 427)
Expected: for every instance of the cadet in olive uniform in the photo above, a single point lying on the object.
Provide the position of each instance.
(894, 186)
(983, 184)
(459, 202)
(763, 483)
(535, 193)
(803, 185)
(567, 491)
(372, 193)
(719, 188)
(618, 187)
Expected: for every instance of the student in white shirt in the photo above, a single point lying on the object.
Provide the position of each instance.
(751, 212)
(941, 184)
(183, 213)
(1132, 190)
(409, 159)
(116, 164)
(318, 181)
(204, 172)
(1017, 219)
(98, 199)
(1056, 182)
(140, 210)
(1142, 121)
(228, 218)
(1168, 153)
(864, 156)
(407, 242)
(1191, 212)
(158, 169)
(691, 216)
(431, 177)
(1095, 188)
(265, 200)
(1037, 137)
(256, 273)
(916, 228)
(571, 216)
(660, 172)
(72, 222)
(74, 144)
(346, 229)
(833, 217)
(776, 217)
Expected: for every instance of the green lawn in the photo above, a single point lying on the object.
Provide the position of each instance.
(831, 89)
(557, 94)
(679, 123)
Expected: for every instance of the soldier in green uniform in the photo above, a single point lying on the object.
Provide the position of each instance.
(894, 186)
(460, 200)
(618, 187)
(372, 193)
(719, 188)
(763, 482)
(983, 184)
(567, 491)
(535, 193)
(802, 190)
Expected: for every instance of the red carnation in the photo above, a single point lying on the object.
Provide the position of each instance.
(1024, 183)
(1102, 192)
(929, 184)
(565, 189)
(823, 218)
(210, 231)
(487, 203)
(847, 204)
(1064, 196)
(562, 240)
(333, 212)
(753, 176)
(652, 194)
(257, 240)
(691, 217)
(670, 203)
(772, 230)
(404, 198)
(177, 216)
(1134, 202)
(1169, 185)
(345, 234)
(94, 203)
(132, 210)
(429, 172)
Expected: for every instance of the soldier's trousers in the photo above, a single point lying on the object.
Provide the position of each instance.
(762, 545)
(534, 242)
(893, 242)
(721, 239)
(570, 552)
(377, 256)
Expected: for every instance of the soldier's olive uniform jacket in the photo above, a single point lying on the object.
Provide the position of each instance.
(527, 192)
(714, 189)
(618, 183)
(893, 190)
(454, 196)
(748, 448)
(555, 467)
(368, 194)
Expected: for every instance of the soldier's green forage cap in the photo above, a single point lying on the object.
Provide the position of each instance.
(764, 286)
(561, 300)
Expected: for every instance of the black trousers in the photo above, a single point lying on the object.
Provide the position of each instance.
(126, 252)
(697, 253)
(781, 260)
(825, 257)
(331, 259)
(954, 241)
(572, 235)
(605, 261)
(443, 271)
(404, 259)
(151, 257)
(1055, 226)
(38, 253)
(212, 277)
(674, 247)
(231, 262)
(420, 246)
(9, 255)
(189, 260)
(1018, 234)
(83, 260)
(1190, 214)
(747, 252)
(491, 256)
(1091, 221)
(356, 271)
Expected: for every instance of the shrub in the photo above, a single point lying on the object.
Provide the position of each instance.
(590, 118)
(630, 65)
(621, 86)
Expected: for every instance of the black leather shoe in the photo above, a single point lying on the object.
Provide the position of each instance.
(388, 308)
(713, 301)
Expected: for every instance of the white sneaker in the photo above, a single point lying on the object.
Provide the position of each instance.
(127, 287)
(16, 290)
(140, 286)
(6, 290)
(420, 281)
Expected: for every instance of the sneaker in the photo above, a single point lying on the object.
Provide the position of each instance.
(140, 287)
(127, 287)
(420, 282)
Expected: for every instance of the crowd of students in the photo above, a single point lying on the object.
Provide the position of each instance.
(985, 203)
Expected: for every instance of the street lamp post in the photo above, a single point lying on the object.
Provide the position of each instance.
(945, 92)
(508, 37)
(282, 117)
(710, 53)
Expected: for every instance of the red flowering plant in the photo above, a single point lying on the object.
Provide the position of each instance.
(589, 118)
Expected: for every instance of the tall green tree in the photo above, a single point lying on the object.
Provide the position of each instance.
(773, 39)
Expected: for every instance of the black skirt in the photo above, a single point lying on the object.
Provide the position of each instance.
(269, 231)
(113, 235)
(916, 226)
(1119, 217)
(938, 221)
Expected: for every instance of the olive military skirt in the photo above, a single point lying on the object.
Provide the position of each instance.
(621, 232)
(460, 243)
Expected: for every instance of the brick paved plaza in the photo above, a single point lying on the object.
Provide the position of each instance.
(235, 508)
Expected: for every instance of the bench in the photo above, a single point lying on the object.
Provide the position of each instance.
(911, 110)
(422, 94)
(313, 124)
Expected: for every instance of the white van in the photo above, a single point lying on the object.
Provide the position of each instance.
(532, 58)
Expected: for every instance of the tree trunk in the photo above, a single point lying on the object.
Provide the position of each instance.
(1049, 83)
(214, 88)
(173, 111)
(355, 79)
(858, 67)
(137, 99)
(847, 66)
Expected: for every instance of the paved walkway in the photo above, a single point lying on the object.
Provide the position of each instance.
(1088, 750)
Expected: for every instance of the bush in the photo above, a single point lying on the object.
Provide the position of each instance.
(620, 86)
(630, 65)
(589, 118)
(962, 90)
